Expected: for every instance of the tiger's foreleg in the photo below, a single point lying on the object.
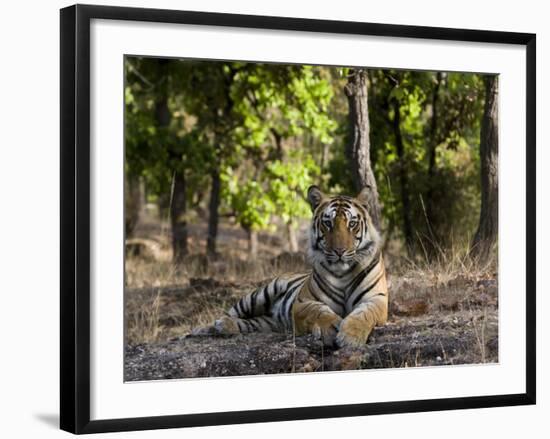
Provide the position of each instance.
(357, 326)
(318, 318)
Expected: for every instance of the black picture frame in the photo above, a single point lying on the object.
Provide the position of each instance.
(75, 217)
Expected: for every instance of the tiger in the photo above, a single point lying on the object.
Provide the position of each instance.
(344, 295)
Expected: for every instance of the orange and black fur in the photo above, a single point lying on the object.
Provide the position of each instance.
(344, 296)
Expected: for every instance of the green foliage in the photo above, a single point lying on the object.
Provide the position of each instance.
(154, 150)
(444, 195)
(275, 104)
(271, 130)
(252, 208)
(277, 191)
(288, 183)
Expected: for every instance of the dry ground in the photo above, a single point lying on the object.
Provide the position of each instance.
(441, 313)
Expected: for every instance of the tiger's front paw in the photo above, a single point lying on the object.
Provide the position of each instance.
(353, 332)
(327, 331)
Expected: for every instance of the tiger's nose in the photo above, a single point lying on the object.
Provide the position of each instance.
(339, 251)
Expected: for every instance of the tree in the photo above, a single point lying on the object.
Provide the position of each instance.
(433, 142)
(241, 141)
(486, 235)
(133, 202)
(424, 154)
(161, 143)
(178, 205)
(207, 88)
(273, 165)
(358, 146)
(455, 107)
(403, 177)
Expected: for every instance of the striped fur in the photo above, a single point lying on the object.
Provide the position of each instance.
(341, 299)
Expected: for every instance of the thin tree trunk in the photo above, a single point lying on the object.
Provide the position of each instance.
(133, 202)
(252, 243)
(278, 144)
(178, 205)
(220, 135)
(143, 193)
(487, 232)
(433, 152)
(178, 221)
(324, 157)
(405, 201)
(163, 204)
(213, 214)
(358, 147)
(292, 237)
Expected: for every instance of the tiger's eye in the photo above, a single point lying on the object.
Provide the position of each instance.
(352, 224)
(327, 223)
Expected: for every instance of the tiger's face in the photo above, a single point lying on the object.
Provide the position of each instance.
(342, 231)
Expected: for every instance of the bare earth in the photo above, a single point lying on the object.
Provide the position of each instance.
(460, 332)
(440, 314)
(413, 343)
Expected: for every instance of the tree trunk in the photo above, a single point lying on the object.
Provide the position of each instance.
(487, 232)
(433, 153)
(178, 205)
(324, 157)
(405, 201)
(278, 144)
(213, 214)
(133, 203)
(163, 204)
(178, 222)
(252, 243)
(358, 147)
(292, 237)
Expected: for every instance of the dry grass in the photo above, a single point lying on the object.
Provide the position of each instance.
(163, 302)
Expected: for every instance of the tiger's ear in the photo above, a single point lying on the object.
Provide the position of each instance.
(314, 196)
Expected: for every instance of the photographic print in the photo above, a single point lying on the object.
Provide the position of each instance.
(302, 218)
(302, 206)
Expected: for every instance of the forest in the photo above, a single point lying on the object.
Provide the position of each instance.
(219, 156)
(243, 141)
